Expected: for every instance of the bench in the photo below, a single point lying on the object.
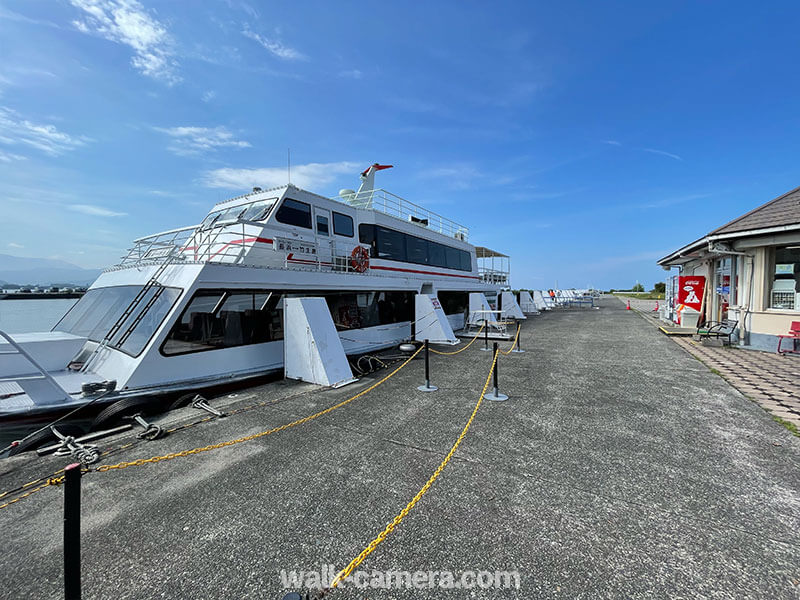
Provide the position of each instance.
(717, 329)
(794, 335)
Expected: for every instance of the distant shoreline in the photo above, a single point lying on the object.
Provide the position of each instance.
(42, 296)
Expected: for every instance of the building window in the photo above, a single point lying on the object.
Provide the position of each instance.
(342, 225)
(294, 212)
(785, 278)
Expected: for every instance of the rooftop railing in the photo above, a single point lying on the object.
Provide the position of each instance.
(229, 244)
(395, 206)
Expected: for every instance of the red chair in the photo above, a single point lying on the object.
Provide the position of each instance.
(794, 334)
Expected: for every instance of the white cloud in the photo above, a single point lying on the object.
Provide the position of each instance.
(15, 130)
(351, 74)
(662, 153)
(95, 211)
(612, 142)
(274, 46)
(15, 245)
(9, 157)
(308, 176)
(188, 141)
(209, 96)
(128, 22)
(456, 176)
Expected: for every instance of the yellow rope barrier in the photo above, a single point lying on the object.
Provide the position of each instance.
(183, 453)
(462, 349)
(347, 571)
(516, 338)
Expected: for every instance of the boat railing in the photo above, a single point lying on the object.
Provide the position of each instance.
(230, 244)
(382, 201)
(496, 276)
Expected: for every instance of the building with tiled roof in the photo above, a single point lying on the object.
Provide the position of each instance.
(751, 267)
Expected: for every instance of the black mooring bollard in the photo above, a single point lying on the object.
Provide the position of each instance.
(72, 532)
(485, 335)
(427, 387)
(496, 395)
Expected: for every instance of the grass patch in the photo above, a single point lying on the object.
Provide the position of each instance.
(715, 372)
(790, 426)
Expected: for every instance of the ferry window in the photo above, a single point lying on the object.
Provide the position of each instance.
(454, 303)
(210, 219)
(258, 211)
(351, 310)
(215, 319)
(293, 212)
(453, 258)
(98, 310)
(366, 234)
(322, 225)
(417, 250)
(466, 261)
(391, 244)
(231, 214)
(148, 323)
(342, 225)
(436, 255)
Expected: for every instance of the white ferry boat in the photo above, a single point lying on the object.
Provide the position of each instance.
(203, 305)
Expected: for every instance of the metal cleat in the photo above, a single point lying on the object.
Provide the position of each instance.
(85, 453)
(202, 403)
(151, 430)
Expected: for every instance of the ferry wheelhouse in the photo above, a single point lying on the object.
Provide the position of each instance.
(203, 305)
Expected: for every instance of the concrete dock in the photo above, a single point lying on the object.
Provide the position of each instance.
(620, 467)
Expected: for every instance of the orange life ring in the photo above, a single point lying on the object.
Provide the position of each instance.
(359, 259)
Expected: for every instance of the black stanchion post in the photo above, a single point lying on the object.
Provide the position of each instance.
(495, 394)
(518, 346)
(72, 532)
(485, 335)
(427, 387)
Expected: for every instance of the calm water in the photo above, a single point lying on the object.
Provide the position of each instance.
(24, 316)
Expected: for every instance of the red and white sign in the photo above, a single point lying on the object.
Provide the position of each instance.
(690, 291)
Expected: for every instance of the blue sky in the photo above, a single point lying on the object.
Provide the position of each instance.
(584, 139)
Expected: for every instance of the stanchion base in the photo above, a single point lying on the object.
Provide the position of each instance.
(516, 351)
(496, 396)
(427, 388)
(486, 349)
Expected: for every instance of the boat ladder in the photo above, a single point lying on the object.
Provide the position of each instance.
(137, 300)
(39, 385)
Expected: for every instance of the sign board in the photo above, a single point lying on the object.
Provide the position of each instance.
(690, 290)
(784, 269)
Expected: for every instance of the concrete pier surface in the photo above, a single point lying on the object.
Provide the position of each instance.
(620, 467)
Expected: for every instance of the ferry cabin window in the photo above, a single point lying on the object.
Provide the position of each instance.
(355, 310)
(322, 225)
(394, 245)
(99, 309)
(342, 225)
(217, 319)
(391, 245)
(454, 303)
(258, 211)
(416, 250)
(294, 212)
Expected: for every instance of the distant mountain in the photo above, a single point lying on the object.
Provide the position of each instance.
(43, 271)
